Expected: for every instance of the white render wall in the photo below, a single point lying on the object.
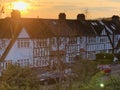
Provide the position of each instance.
(20, 53)
(16, 53)
(27, 53)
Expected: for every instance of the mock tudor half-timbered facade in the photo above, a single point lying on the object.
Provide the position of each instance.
(41, 42)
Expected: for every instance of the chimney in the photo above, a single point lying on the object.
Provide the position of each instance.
(115, 19)
(62, 16)
(15, 14)
(80, 17)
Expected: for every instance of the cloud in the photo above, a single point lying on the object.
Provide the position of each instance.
(102, 8)
(115, 0)
(97, 8)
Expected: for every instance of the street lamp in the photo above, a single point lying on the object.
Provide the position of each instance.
(101, 85)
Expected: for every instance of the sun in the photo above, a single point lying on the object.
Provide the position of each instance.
(20, 5)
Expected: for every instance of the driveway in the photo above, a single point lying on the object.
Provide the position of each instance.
(115, 69)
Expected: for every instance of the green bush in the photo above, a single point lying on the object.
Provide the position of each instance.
(101, 82)
(19, 78)
(104, 58)
(104, 61)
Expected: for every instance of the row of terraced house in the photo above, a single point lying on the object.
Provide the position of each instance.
(41, 42)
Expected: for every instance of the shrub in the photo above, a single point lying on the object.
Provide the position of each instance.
(104, 58)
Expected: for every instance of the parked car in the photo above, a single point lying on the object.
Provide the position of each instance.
(105, 68)
(52, 78)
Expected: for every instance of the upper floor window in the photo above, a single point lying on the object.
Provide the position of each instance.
(41, 42)
(81, 40)
(53, 41)
(91, 40)
(116, 38)
(103, 39)
(42, 51)
(72, 40)
(23, 44)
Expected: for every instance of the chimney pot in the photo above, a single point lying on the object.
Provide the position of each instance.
(115, 19)
(62, 16)
(81, 17)
(15, 14)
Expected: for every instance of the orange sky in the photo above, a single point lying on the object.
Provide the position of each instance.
(51, 8)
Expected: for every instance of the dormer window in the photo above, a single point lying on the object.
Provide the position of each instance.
(94, 23)
(113, 27)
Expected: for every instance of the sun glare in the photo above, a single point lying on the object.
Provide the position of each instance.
(20, 5)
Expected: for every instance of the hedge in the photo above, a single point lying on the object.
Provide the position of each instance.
(104, 58)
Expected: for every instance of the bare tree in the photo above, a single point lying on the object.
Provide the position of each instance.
(2, 9)
(85, 11)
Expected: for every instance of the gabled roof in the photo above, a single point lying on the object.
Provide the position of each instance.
(82, 28)
(45, 28)
(115, 28)
(97, 26)
(109, 25)
(5, 29)
(36, 28)
(58, 27)
(14, 31)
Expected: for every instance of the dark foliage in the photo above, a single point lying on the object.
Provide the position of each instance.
(21, 78)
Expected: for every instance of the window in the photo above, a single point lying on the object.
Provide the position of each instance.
(23, 44)
(80, 39)
(53, 41)
(44, 42)
(41, 61)
(23, 62)
(71, 59)
(46, 62)
(72, 40)
(41, 43)
(42, 51)
(91, 40)
(18, 44)
(116, 38)
(102, 39)
(37, 44)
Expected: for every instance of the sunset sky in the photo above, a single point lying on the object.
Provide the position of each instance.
(51, 8)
